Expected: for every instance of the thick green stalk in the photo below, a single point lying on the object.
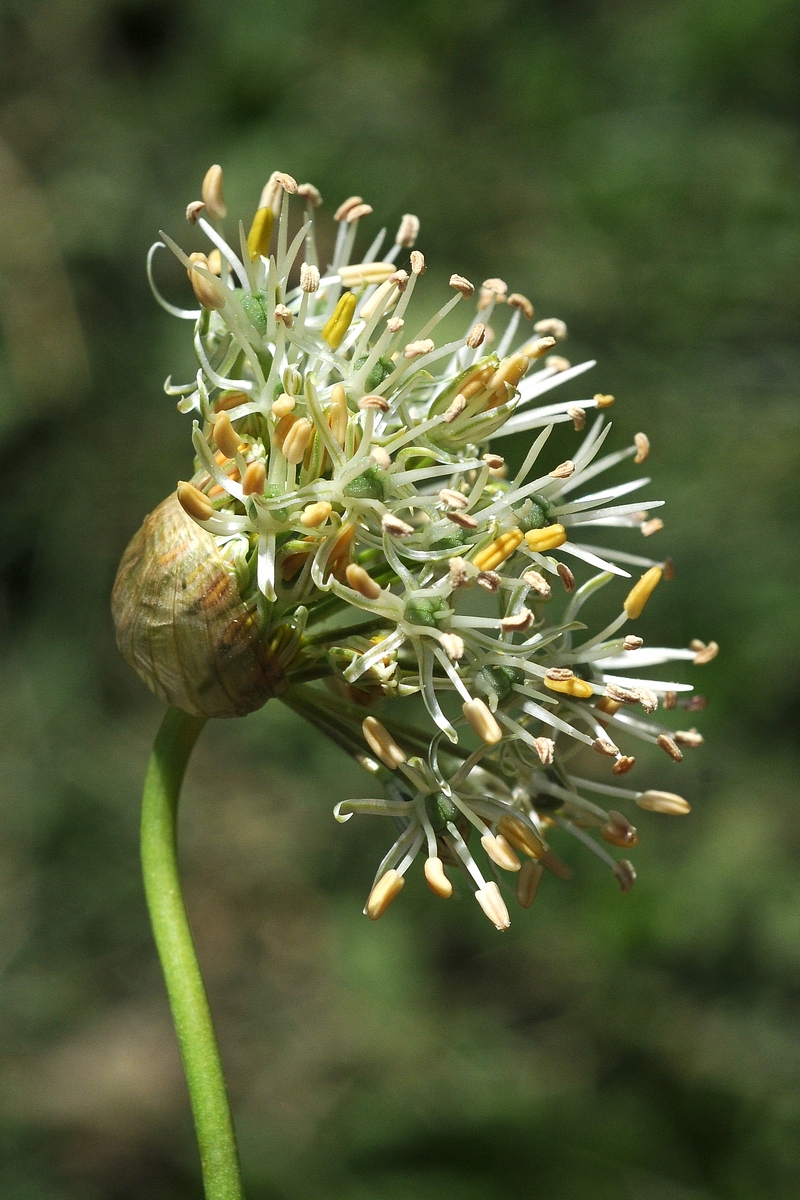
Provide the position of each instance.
(187, 997)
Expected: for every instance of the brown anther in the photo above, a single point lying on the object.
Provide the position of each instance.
(618, 831)
(254, 478)
(283, 315)
(557, 362)
(395, 527)
(517, 300)
(395, 324)
(528, 882)
(314, 515)
(417, 349)
(518, 622)
(648, 528)
(453, 645)
(345, 207)
(688, 737)
(602, 401)
(563, 470)
(668, 567)
(647, 699)
(621, 694)
(492, 289)
(545, 748)
(623, 764)
(462, 519)
(460, 284)
(459, 575)
(606, 747)
(376, 402)
(309, 278)
(632, 642)
(211, 191)
(226, 436)
(357, 212)
(193, 211)
(408, 232)
(625, 875)
(577, 415)
(400, 280)
(642, 443)
(551, 327)
(559, 674)
(566, 576)
(494, 461)
(193, 502)
(550, 860)
(417, 262)
(704, 653)
(453, 498)
(310, 194)
(538, 347)
(538, 584)
(694, 704)
(476, 336)
(489, 581)
(668, 744)
(670, 700)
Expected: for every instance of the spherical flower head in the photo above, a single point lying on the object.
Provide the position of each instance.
(356, 535)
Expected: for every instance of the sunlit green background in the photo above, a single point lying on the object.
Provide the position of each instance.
(633, 166)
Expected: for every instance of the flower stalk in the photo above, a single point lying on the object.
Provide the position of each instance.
(187, 996)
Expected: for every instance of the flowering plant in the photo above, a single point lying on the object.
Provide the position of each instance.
(350, 533)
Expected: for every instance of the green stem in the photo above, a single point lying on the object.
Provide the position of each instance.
(187, 997)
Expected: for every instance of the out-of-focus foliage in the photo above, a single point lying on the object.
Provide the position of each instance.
(634, 168)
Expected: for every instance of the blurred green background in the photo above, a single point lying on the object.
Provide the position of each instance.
(633, 166)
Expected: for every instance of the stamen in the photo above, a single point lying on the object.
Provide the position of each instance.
(493, 905)
(381, 743)
(642, 443)
(641, 592)
(437, 880)
(551, 327)
(549, 538)
(482, 721)
(194, 503)
(663, 802)
(362, 582)
(704, 653)
(528, 882)
(388, 887)
(211, 192)
(668, 745)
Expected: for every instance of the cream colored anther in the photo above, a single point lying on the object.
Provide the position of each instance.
(482, 721)
(388, 887)
(362, 582)
(316, 514)
(296, 441)
(381, 743)
(500, 852)
(437, 880)
(493, 905)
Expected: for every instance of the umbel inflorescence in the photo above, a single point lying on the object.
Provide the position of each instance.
(349, 535)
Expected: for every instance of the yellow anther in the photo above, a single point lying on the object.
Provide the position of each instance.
(510, 371)
(260, 235)
(603, 401)
(641, 592)
(315, 514)
(490, 558)
(338, 324)
(521, 837)
(357, 274)
(549, 538)
(578, 688)
(386, 889)
(437, 880)
(606, 705)
(193, 502)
